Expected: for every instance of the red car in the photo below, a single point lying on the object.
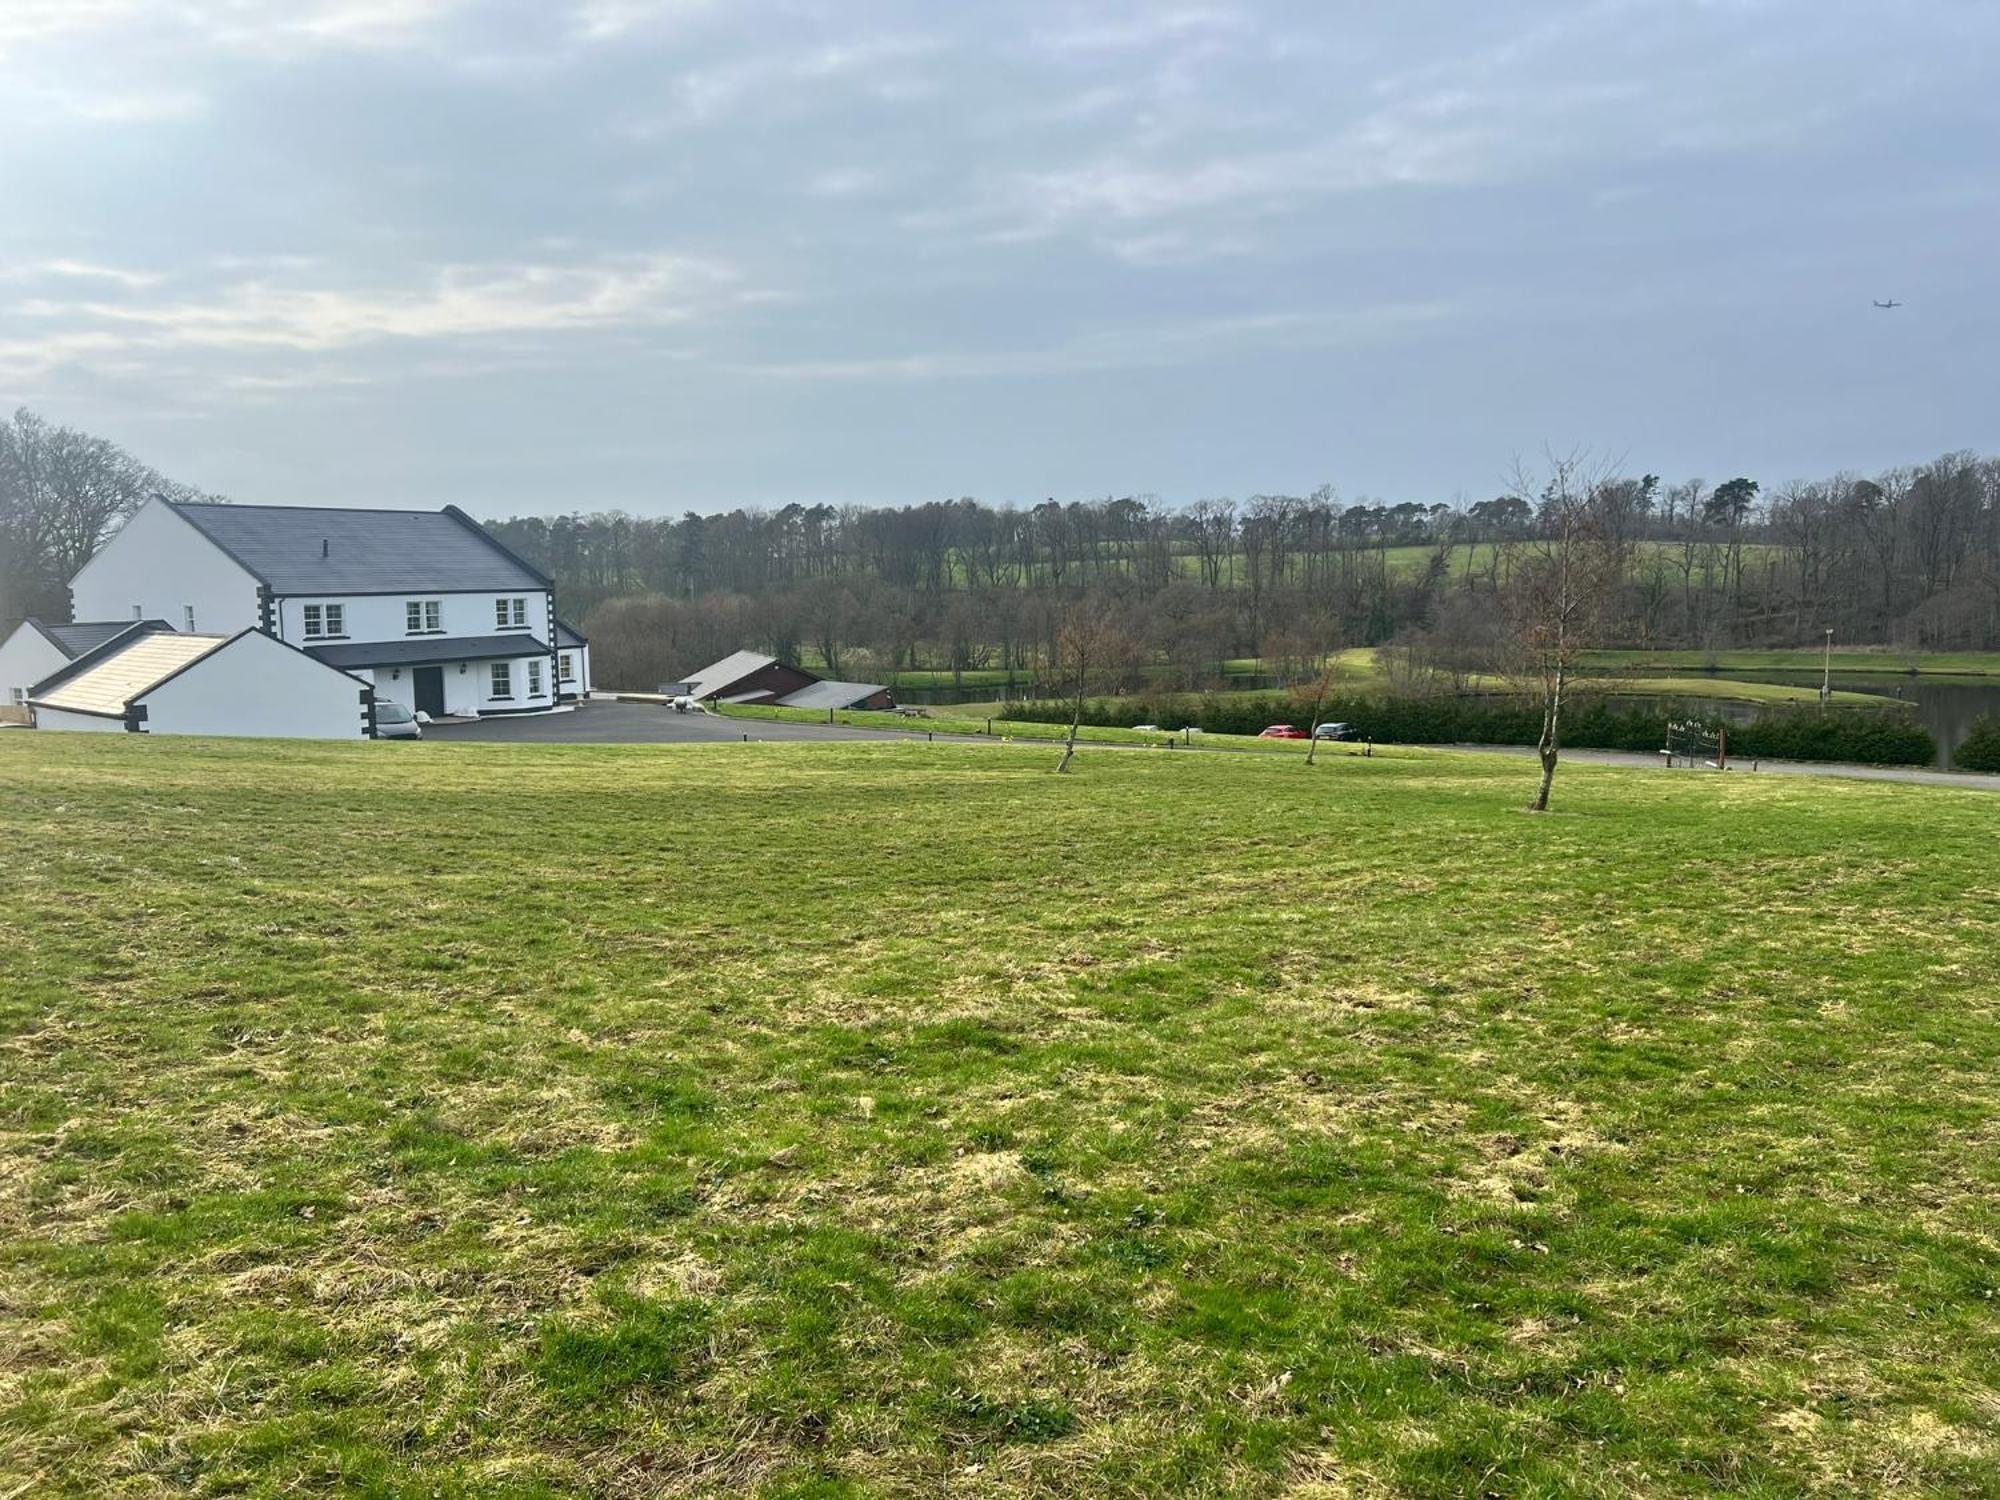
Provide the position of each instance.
(1282, 732)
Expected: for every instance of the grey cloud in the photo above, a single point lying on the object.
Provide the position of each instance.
(759, 249)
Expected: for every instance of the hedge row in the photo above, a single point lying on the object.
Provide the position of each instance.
(1980, 750)
(1868, 736)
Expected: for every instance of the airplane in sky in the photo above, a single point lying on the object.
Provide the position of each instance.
(1892, 302)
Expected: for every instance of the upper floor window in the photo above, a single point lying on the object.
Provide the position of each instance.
(511, 614)
(423, 616)
(323, 620)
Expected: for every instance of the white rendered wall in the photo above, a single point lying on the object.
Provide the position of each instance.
(468, 687)
(26, 657)
(383, 617)
(255, 686)
(161, 564)
(56, 718)
(579, 683)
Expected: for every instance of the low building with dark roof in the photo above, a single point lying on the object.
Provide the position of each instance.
(748, 677)
(426, 607)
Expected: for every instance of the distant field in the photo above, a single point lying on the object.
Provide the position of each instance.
(825, 1120)
(1805, 659)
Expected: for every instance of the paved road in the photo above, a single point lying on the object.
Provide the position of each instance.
(1964, 780)
(611, 722)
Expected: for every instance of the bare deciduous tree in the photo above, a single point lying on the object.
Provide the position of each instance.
(1323, 688)
(1090, 650)
(62, 492)
(1559, 591)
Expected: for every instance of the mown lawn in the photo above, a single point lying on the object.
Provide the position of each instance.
(848, 1119)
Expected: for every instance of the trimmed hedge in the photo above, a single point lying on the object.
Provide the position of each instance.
(1980, 750)
(1868, 736)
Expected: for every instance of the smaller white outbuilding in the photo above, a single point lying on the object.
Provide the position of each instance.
(41, 648)
(166, 682)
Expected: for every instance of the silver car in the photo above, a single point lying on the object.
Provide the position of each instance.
(395, 722)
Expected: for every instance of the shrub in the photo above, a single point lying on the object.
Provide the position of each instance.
(1871, 736)
(1980, 750)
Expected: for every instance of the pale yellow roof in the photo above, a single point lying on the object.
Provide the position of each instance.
(114, 682)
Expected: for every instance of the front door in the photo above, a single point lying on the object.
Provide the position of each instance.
(428, 685)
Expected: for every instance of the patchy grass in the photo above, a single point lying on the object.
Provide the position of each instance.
(464, 1120)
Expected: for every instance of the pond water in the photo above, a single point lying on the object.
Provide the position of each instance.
(1946, 706)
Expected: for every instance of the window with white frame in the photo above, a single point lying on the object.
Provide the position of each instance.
(510, 614)
(503, 679)
(566, 666)
(535, 677)
(324, 620)
(423, 617)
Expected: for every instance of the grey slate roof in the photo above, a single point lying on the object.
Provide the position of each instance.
(568, 635)
(87, 635)
(309, 550)
(824, 694)
(716, 677)
(426, 651)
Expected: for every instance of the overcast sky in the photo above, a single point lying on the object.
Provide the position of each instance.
(666, 254)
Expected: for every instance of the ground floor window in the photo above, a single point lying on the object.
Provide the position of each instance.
(503, 679)
(535, 677)
(566, 666)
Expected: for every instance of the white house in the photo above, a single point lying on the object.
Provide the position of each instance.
(160, 681)
(39, 649)
(424, 606)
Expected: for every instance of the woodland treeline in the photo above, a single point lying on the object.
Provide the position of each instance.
(1908, 557)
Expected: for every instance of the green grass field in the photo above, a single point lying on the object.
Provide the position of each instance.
(458, 1120)
(990, 719)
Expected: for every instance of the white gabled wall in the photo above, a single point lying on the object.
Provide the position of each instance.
(162, 564)
(257, 686)
(26, 657)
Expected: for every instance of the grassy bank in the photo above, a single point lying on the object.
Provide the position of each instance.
(976, 719)
(1879, 660)
(822, 1120)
